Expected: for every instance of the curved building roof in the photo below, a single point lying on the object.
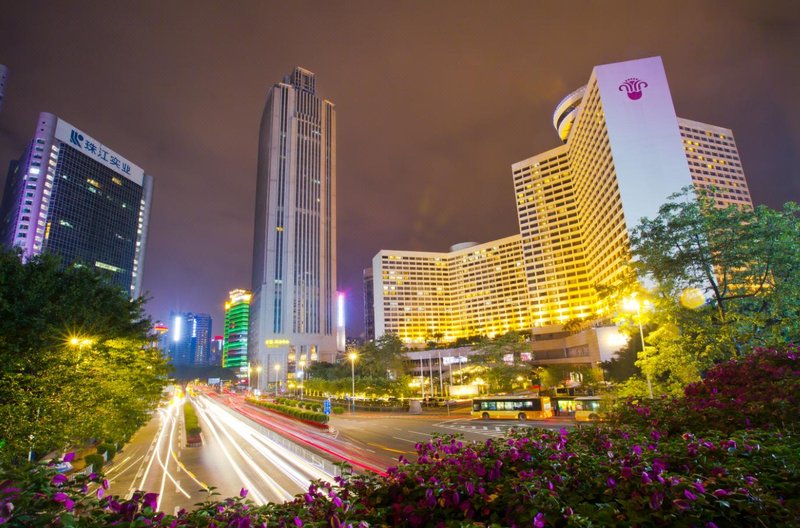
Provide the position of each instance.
(565, 112)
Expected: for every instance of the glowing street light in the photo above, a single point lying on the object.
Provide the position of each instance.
(302, 376)
(353, 357)
(277, 369)
(258, 377)
(632, 304)
(80, 342)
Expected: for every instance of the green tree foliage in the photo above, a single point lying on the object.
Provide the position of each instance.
(54, 392)
(380, 370)
(500, 362)
(384, 357)
(746, 263)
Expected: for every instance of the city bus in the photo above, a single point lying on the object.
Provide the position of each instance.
(512, 407)
(591, 408)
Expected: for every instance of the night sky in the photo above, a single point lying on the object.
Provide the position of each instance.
(435, 100)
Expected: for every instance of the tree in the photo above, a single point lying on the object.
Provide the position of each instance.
(384, 357)
(500, 361)
(745, 262)
(73, 358)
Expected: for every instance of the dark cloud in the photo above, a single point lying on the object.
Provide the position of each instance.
(435, 101)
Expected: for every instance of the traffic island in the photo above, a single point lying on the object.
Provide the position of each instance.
(194, 435)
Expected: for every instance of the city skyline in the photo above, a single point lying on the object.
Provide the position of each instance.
(429, 123)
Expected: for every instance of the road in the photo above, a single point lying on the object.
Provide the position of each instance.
(235, 454)
(390, 436)
(272, 456)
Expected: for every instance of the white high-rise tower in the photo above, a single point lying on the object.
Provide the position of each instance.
(293, 311)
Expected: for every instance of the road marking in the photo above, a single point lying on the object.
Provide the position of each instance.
(417, 432)
(404, 439)
(388, 448)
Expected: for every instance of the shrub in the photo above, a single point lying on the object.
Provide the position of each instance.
(94, 460)
(109, 449)
(190, 420)
(295, 412)
(337, 409)
(761, 390)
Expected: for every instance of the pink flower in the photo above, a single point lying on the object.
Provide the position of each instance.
(106, 485)
(59, 479)
(69, 457)
(243, 492)
(298, 522)
(538, 521)
(100, 492)
(150, 500)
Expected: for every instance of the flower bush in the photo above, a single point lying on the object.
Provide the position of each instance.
(761, 390)
(642, 473)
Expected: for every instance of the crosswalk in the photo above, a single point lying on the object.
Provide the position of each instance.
(494, 430)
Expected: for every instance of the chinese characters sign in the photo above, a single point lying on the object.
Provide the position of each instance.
(91, 147)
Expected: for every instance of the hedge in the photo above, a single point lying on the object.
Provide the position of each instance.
(295, 412)
(190, 420)
(95, 460)
(109, 449)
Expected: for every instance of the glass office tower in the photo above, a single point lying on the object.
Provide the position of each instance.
(72, 196)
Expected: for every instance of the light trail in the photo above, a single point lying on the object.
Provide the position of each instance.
(298, 437)
(277, 454)
(248, 484)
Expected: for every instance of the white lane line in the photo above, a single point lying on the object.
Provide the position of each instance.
(405, 439)
(419, 433)
(151, 453)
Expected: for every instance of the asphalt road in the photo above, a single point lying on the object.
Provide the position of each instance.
(272, 456)
(390, 436)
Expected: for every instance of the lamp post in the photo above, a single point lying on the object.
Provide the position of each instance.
(302, 376)
(277, 369)
(353, 357)
(632, 304)
(258, 377)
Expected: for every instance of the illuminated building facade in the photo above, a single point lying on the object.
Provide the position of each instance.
(72, 196)
(237, 325)
(217, 346)
(188, 339)
(475, 289)
(293, 311)
(625, 151)
(369, 306)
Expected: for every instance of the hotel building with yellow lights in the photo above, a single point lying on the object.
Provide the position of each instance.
(474, 289)
(624, 151)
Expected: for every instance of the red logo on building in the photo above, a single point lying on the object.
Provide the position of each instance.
(633, 87)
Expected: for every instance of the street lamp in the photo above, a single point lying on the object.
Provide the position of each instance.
(258, 377)
(302, 376)
(277, 369)
(632, 304)
(353, 357)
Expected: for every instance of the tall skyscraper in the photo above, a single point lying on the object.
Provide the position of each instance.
(237, 325)
(217, 346)
(625, 151)
(369, 306)
(293, 312)
(188, 339)
(72, 196)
